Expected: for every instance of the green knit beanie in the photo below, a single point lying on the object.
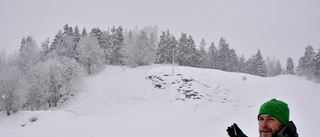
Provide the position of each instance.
(276, 108)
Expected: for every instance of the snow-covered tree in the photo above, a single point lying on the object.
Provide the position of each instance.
(273, 67)
(89, 53)
(242, 65)
(256, 65)
(117, 39)
(10, 84)
(140, 47)
(225, 59)
(106, 44)
(28, 54)
(77, 35)
(57, 41)
(84, 32)
(187, 53)
(96, 32)
(279, 69)
(203, 54)
(49, 80)
(260, 66)
(44, 50)
(317, 65)
(290, 66)
(234, 61)
(67, 47)
(166, 48)
(212, 57)
(306, 64)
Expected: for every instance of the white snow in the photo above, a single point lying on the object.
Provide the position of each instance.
(125, 102)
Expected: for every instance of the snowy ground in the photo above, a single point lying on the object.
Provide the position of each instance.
(150, 101)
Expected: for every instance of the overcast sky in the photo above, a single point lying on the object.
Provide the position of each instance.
(280, 28)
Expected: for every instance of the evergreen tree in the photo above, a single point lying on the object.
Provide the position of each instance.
(260, 66)
(278, 68)
(45, 50)
(234, 61)
(187, 51)
(250, 66)
(140, 47)
(273, 67)
(106, 43)
(166, 48)
(66, 29)
(306, 64)
(84, 32)
(28, 54)
(57, 41)
(96, 32)
(117, 39)
(256, 65)
(290, 66)
(242, 65)
(224, 60)
(203, 54)
(212, 57)
(317, 65)
(77, 34)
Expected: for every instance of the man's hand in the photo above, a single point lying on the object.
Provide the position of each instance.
(235, 131)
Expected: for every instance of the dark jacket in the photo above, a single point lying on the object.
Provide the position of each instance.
(289, 130)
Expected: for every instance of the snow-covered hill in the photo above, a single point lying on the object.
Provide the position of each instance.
(152, 101)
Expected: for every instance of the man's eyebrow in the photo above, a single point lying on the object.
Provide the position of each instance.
(270, 116)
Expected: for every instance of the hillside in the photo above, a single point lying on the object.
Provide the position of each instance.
(150, 101)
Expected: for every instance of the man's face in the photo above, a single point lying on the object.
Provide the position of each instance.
(268, 125)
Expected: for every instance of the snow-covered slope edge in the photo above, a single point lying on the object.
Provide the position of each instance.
(150, 101)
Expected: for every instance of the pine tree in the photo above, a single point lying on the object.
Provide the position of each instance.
(77, 35)
(278, 68)
(117, 39)
(242, 65)
(66, 29)
(140, 47)
(203, 54)
(290, 66)
(45, 50)
(306, 63)
(273, 67)
(187, 53)
(183, 51)
(256, 65)
(28, 54)
(57, 41)
(106, 43)
(84, 32)
(317, 65)
(96, 32)
(261, 68)
(224, 60)
(234, 61)
(212, 57)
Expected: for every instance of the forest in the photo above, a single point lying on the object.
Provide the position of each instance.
(37, 77)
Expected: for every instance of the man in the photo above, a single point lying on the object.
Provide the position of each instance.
(273, 121)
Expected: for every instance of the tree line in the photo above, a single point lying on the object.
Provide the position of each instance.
(37, 78)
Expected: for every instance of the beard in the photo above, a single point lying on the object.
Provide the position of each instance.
(267, 132)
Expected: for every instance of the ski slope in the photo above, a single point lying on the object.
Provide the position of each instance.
(152, 101)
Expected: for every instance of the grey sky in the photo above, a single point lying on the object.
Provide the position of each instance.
(280, 28)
